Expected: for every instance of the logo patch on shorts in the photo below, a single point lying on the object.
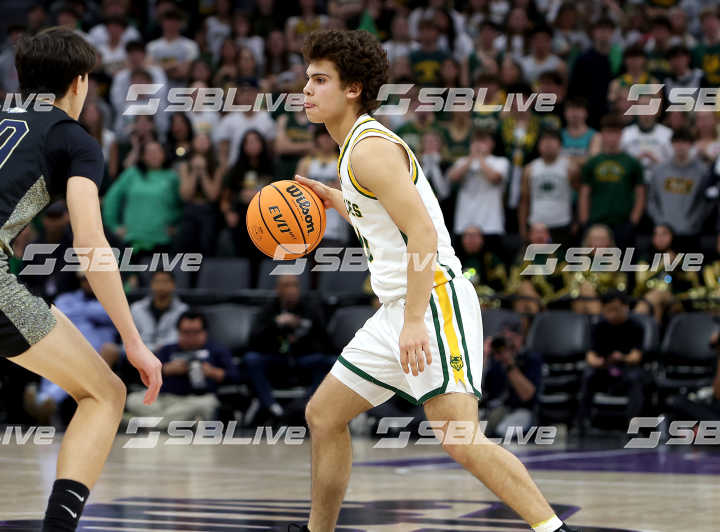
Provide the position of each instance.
(456, 362)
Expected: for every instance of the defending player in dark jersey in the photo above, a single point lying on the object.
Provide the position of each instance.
(46, 155)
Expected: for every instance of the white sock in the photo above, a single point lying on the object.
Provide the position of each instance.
(549, 525)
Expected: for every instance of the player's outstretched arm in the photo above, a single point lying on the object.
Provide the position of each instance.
(331, 197)
(381, 166)
(85, 218)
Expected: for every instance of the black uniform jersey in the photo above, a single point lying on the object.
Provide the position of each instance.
(39, 152)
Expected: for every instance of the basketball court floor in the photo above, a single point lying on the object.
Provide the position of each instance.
(266, 487)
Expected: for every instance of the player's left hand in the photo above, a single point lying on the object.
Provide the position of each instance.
(414, 347)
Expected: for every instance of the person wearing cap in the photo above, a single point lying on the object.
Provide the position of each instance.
(511, 382)
(676, 192)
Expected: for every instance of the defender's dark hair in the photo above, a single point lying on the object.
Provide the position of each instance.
(50, 60)
(358, 57)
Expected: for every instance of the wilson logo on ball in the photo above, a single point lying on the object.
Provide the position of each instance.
(286, 220)
(304, 205)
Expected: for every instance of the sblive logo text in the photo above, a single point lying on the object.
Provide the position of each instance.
(104, 259)
(457, 433)
(207, 433)
(588, 259)
(680, 432)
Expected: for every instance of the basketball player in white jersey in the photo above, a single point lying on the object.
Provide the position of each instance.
(425, 341)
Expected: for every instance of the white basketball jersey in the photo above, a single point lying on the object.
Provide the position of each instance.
(384, 244)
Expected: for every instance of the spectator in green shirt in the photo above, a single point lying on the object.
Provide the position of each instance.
(143, 204)
(427, 61)
(612, 191)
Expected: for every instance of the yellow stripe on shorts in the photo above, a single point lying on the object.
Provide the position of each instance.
(456, 358)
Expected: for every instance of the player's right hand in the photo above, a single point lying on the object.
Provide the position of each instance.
(324, 192)
(149, 367)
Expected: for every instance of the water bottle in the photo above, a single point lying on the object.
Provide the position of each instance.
(197, 377)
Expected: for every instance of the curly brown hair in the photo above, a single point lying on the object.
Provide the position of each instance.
(358, 57)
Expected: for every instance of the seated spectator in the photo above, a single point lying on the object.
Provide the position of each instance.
(586, 288)
(532, 292)
(703, 405)
(614, 360)
(511, 382)
(659, 288)
(288, 338)
(676, 192)
(193, 368)
(155, 315)
(613, 189)
(711, 272)
(484, 269)
(143, 205)
(88, 315)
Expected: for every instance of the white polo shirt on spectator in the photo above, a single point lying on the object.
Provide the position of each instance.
(233, 126)
(480, 202)
(99, 36)
(181, 49)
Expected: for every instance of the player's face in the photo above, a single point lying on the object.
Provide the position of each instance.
(325, 98)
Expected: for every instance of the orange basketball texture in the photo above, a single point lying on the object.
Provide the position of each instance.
(287, 215)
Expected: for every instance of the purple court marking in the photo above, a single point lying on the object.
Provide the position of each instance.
(669, 461)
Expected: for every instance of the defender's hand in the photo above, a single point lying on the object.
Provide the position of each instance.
(414, 347)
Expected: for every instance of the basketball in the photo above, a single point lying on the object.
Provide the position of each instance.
(286, 220)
